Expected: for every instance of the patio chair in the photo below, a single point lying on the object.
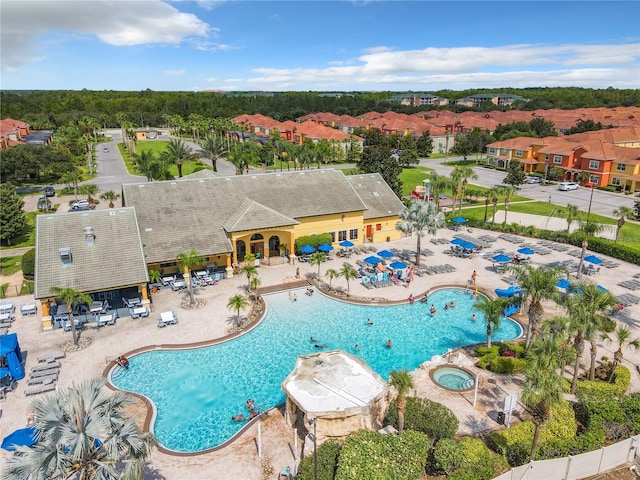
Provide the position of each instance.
(51, 357)
(133, 314)
(46, 366)
(36, 389)
(43, 380)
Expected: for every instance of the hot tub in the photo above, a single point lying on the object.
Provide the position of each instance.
(453, 378)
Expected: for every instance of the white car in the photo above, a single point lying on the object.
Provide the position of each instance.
(80, 205)
(566, 186)
(533, 180)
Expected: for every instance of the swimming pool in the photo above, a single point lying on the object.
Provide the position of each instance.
(197, 391)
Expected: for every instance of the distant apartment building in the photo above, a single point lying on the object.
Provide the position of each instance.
(500, 99)
(419, 99)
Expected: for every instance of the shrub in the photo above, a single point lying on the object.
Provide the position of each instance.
(620, 384)
(631, 406)
(327, 454)
(29, 264)
(508, 365)
(426, 416)
(468, 459)
(375, 456)
(502, 357)
(313, 240)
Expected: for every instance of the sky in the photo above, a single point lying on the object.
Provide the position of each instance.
(317, 45)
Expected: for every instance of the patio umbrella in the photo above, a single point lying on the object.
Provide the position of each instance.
(372, 260)
(398, 265)
(385, 254)
(346, 244)
(563, 283)
(526, 251)
(593, 259)
(460, 220)
(24, 436)
(307, 249)
(601, 288)
(501, 258)
(463, 243)
(325, 247)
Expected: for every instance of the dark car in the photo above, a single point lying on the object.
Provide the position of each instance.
(49, 192)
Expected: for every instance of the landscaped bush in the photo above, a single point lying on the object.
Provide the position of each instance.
(467, 459)
(502, 357)
(618, 418)
(29, 264)
(426, 416)
(373, 456)
(620, 384)
(631, 406)
(313, 240)
(327, 454)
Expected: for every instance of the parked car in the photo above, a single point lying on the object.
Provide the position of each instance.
(105, 149)
(49, 192)
(566, 186)
(81, 205)
(533, 180)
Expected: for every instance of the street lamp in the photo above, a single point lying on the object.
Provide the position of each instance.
(585, 242)
(314, 438)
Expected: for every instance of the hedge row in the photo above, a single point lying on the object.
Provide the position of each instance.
(327, 456)
(619, 386)
(426, 416)
(313, 240)
(29, 264)
(467, 459)
(491, 359)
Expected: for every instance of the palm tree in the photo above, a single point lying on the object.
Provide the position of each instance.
(155, 276)
(111, 196)
(587, 228)
(561, 328)
(571, 213)
(590, 306)
(494, 201)
(178, 153)
(622, 213)
(331, 273)
(254, 283)
(214, 148)
(543, 385)
(438, 185)
(578, 328)
(237, 303)
(83, 433)
(488, 196)
(537, 284)
(250, 271)
(419, 218)
(187, 261)
(89, 189)
(317, 258)
(403, 383)
(623, 340)
(349, 273)
(508, 191)
(71, 179)
(493, 311)
(464, 173)
(72, 297)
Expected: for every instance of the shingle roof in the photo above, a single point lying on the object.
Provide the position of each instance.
(376, 194)
(251, 215)
(179, 216)
(115, 260)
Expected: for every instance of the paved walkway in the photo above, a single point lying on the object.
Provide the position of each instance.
(240, 460)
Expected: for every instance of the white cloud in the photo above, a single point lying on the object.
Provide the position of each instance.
(208, 46)
(122, 23)
(174, 72)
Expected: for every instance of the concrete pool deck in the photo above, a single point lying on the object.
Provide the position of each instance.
(240, 460)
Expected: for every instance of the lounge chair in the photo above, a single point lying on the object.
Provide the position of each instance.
(43, 380)
(51, 357)
(47, 366)
(36, 389)
(45, 373)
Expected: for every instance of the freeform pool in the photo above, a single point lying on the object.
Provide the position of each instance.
(197, 391)
(453, 378)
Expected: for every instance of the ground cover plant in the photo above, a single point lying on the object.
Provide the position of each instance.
(502, 357)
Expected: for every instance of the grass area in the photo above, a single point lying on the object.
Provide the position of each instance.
(157, 147)
(10, 265)
(27, 237)
(411, 177)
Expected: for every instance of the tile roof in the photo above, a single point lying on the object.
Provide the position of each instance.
(114, 260)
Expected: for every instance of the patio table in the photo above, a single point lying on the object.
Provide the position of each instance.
(178, 284)
(201, 274)
(5, 317)
(7, 307)
(167, 280)
(28, 309)
(166, 316)
(140, 311)
(133, 301)
(96, 307)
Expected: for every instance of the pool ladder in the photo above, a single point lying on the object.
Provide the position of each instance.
(468, 384)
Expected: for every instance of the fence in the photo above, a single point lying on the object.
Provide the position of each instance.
(14, 290)
(578, 466)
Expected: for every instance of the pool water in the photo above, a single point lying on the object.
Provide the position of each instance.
(453, 378)
(197, 391)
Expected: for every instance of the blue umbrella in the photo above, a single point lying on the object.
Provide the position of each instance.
(346, 244)
(501, 258)
(601, 288)
(307, 249)
(325, 247)
(372, 260)
(463, 243)
(398, 265)
(460, 220)
(24, 436)
(593, 259)
(526, 251)
(385, 254)
(563, 283)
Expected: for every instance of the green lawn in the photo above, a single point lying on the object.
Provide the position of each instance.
(412, 177)
(11, 265)
(28, 236)
(157, 147)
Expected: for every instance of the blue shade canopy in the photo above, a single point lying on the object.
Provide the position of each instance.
(460, 220)
(463, 243)
(526, 251)
(398, 265)
(372, 260)
(563, 283)
(385, 254)
(501, 258)
(307, 249)
(23, 437)
(346, 244)
(325, 247)
(593, 259)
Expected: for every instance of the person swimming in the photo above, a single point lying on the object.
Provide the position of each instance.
(389, 343)
(123, 362)
(369, 322)
(238, 418)
(446, 307)
(433, 310)
(453, 304)
(473, 317)
(318, 345)
(357, 347)
(313, 339)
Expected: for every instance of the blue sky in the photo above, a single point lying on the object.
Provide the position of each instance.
(327, 45)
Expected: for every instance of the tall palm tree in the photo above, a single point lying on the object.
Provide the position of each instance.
(72, 297)
(438, 185)
(488, 196)
(237, 303)
(508, 191)
(349, 273)
(420, 217)
(213, 147)
(465, 173)
(494, 201)
(590, 306)
(90, 190)
(562, 328)
(571, 213)
(578, 328)
(254, 283)
(111, 196)
(622, 340)
(587, 228)
(250, 271)
(188, 261)
(317, 258)
(331, 274)
(83, 433)
(403, 383)
(493, 311)
(622, 213)
(543, 385)
(177, 153)
(537, 284)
